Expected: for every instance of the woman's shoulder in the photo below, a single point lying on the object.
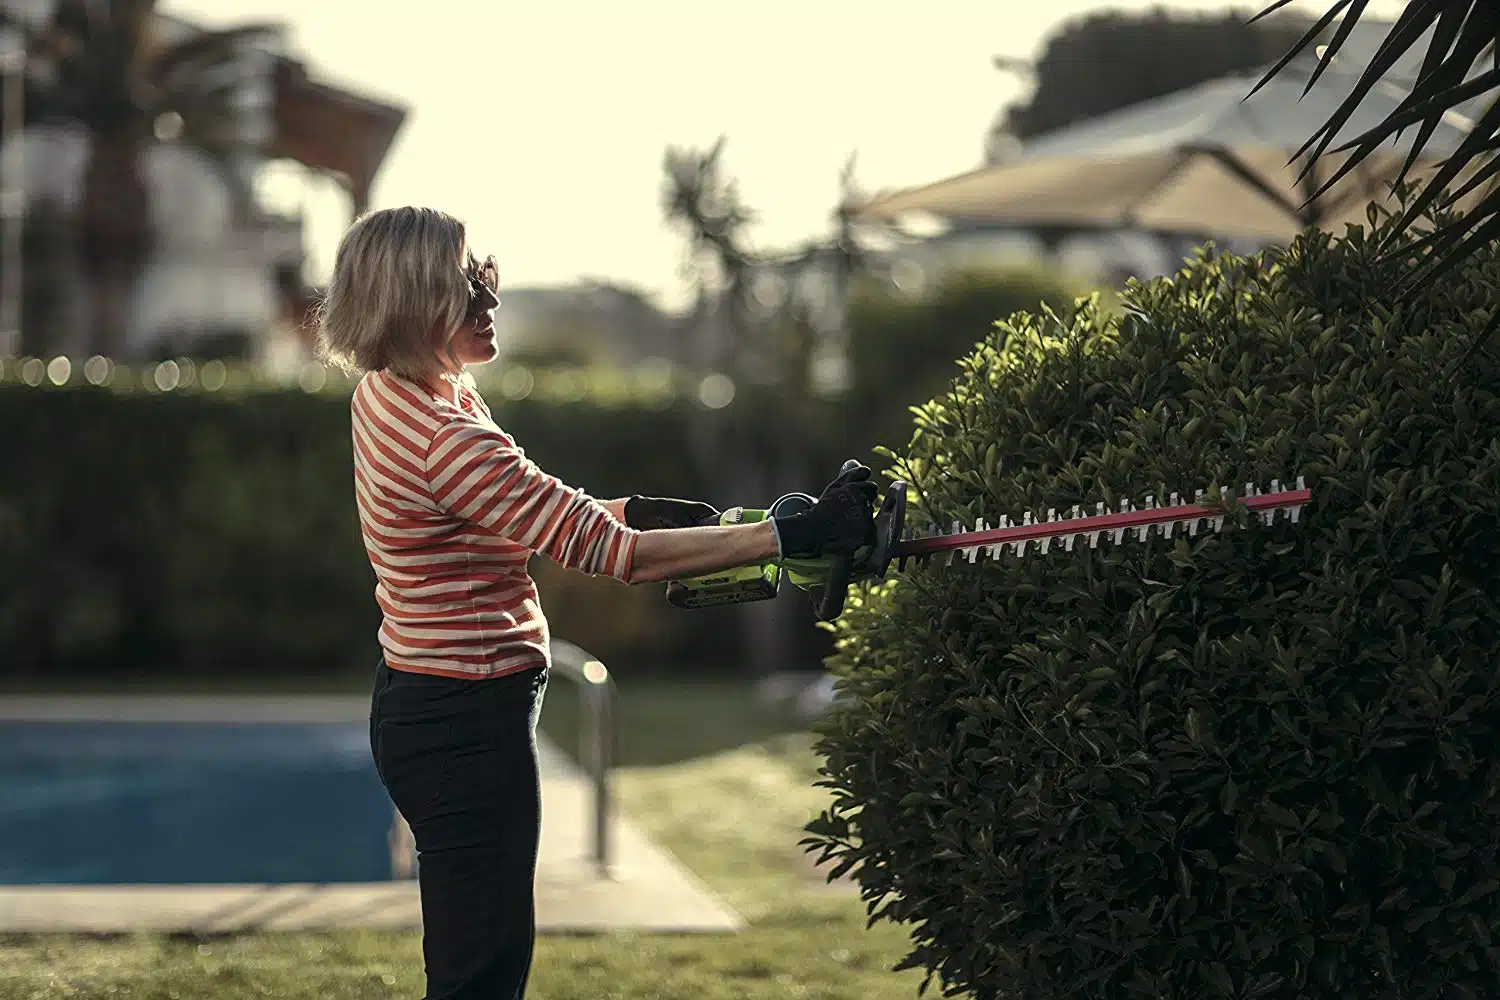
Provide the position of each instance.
(467, 422)
(380, 395)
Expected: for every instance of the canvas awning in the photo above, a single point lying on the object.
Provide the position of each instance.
(1203, 161)
(331, 129)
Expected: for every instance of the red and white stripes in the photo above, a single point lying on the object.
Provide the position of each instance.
(452, 510)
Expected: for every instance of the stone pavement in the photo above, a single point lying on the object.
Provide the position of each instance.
(648, 889)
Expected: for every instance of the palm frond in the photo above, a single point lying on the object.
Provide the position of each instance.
(1310, 38)
(1442, 73)
(1430, 110)
(1478, 344)
(1402, 37)
(1465, 156)
(1462, 33)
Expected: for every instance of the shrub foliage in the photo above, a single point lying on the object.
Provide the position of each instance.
(1258, 763)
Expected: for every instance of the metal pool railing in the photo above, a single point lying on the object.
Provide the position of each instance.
(596, 688)
(597, 691)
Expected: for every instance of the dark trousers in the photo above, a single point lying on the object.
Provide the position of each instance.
(458, 758)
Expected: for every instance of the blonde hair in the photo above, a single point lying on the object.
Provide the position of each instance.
(398, 292)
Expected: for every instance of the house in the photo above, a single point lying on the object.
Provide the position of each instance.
(214, 284)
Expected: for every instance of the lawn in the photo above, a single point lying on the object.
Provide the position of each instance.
(719, 779)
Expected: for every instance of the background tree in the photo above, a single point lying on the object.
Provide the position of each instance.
(101, 64)
(46, 252)
(1107, 61)
(702, 202)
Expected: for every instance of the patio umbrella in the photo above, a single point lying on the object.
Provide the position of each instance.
(1203, 160)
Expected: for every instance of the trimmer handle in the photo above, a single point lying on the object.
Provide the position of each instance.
(831, 604)
(890, 523)
(840, 568)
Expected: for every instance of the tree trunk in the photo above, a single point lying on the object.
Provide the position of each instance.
(114, 236)
(47, 250)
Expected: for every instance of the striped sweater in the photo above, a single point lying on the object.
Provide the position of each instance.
(451, 511)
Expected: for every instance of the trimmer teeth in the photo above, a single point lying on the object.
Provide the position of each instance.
(1129, 523)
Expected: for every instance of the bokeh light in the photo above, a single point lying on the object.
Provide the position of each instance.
(716, 391)
(213, 375)
(570, 386)
(654, 383)
(517, 383)
(59, 370)
(97, 370)
(313, 377)
(166, 376)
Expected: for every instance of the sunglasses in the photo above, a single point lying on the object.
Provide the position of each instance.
(484, 286)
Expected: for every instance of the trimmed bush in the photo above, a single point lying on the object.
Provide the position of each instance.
(1259, 763)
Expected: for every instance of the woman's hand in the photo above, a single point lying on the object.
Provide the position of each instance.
(842, 519)
(655, 513)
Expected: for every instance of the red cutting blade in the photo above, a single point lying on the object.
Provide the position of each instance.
(1019, 534)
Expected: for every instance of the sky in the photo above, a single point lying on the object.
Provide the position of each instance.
(543, 124)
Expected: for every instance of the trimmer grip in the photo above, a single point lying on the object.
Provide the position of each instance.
(831, 604)
(840, 569)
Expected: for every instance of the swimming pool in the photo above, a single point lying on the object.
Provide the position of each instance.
(164, 799)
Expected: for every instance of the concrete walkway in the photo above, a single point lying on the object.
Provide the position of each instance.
(648, 889)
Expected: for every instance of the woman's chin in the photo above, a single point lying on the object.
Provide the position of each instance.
(482, 352)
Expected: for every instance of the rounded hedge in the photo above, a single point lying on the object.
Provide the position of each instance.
(1259, 763)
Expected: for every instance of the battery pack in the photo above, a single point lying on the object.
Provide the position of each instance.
(717, 591)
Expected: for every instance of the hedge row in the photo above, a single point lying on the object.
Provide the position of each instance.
(176, 532)
(211, 527)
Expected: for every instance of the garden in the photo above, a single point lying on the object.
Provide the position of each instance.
(1255, 763)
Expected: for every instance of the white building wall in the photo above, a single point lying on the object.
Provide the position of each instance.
(204, 274)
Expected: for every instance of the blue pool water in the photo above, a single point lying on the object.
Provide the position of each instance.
(163, 802)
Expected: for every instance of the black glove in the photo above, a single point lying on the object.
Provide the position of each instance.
(858, 474)
(650, 513)
(842, 519)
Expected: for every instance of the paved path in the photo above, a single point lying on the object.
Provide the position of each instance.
(648, 890)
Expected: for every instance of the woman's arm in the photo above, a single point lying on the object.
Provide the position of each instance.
(683, 553)
(842, 519)
(479, 475)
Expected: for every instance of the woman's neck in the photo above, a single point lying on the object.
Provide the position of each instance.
(442, 384)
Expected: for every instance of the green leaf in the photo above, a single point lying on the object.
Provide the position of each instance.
(1229, 795)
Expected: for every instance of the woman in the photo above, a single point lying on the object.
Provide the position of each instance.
(451, 510)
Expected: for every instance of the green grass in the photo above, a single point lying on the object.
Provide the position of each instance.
(662, 721)
(721, 781)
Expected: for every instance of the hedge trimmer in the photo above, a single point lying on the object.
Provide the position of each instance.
(829, 576)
